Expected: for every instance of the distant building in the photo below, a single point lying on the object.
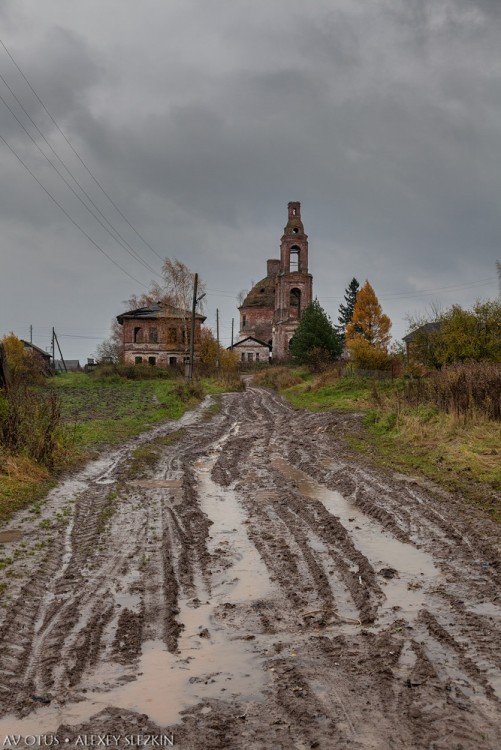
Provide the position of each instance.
(421, 336)
(252, 351)
(272, 309)
(158, 335)
(42, 355)
(68, 365)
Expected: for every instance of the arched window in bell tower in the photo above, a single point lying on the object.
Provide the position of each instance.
(295, 301)
(294, 259)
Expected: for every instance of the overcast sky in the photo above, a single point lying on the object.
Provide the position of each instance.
(201, 119)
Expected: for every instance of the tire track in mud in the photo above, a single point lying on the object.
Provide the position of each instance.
(233, 577)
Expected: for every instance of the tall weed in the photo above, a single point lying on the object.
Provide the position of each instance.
(466, 390)
(29, 423)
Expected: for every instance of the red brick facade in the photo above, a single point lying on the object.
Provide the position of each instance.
(157, 335)
(272, 309)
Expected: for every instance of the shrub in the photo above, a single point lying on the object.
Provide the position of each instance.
(29, 423)
(114, 373)
(464, 390)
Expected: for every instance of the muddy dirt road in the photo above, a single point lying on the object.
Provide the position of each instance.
(240, 579)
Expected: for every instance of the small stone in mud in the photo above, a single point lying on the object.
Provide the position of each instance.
(204, 633)
(388, 572)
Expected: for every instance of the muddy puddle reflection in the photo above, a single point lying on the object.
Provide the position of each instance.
(14, 535)
(416, 572)
(212, 661)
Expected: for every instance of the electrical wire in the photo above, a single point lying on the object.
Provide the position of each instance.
(121, 241)
(90, 173)
(13, 151)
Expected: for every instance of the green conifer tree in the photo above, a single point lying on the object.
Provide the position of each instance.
(346, 310)
(315, 341)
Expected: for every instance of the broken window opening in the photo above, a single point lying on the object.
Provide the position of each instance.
(295, 300)
(138, 360)
(153, 336)
(138, 335)
(152, 361)
(294, 259)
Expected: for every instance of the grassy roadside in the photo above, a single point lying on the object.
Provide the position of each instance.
(97, 412)
(461, 456)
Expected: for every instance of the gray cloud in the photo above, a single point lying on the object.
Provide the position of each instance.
(384, 119)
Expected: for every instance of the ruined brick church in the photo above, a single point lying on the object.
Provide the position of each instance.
(270, 313)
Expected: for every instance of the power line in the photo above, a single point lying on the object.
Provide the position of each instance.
(121, 241)
(68, 215)
(406, 295)
(79, 157)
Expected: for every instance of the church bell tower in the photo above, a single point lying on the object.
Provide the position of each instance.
(294, 287)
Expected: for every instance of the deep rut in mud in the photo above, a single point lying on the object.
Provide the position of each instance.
(254, 584)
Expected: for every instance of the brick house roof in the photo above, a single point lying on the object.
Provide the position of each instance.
(158, 311)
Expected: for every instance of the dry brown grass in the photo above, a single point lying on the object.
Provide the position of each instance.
(277, 378)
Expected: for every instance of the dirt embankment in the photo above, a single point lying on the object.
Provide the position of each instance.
(257, 585)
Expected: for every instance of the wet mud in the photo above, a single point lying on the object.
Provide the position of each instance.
(259, 585)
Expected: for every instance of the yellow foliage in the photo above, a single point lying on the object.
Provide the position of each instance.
(211, 353)
(24, 364)
(368, 333)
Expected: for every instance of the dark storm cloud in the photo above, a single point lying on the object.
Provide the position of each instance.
(383, 118)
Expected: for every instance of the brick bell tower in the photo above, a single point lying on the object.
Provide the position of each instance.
(294, 285)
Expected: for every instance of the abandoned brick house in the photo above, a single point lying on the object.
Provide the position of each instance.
(158, 335)
(270, 313)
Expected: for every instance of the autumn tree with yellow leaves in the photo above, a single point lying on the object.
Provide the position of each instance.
(368, 333)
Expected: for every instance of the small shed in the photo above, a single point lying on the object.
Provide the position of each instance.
(41, 354)
(252, 351)
(72, 365)
(421, 336)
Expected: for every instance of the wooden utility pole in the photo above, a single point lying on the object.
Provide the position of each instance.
(53, 353)
(217, 326)
(232, 326)
(60, 352)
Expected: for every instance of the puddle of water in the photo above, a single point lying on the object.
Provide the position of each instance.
(247, 578)
(209, 664)
(10, 536)
(156, 483)
(345, 605)
(415, 567)
(485, 609)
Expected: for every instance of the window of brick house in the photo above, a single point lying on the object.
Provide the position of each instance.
(249, 356)
(153, 335)
(172, 335)
(138, 335)
(138, 360)
(243, 357)
(257, 356)
(152, 361)
(244, 321)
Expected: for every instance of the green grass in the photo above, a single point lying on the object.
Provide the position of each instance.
(100, 412)
(344, 394)
(16, 494)
(463, 458)
(97, 412)
(459, 458)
